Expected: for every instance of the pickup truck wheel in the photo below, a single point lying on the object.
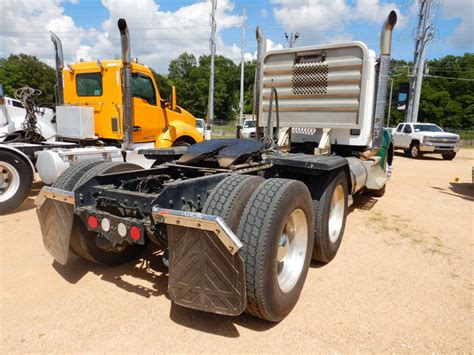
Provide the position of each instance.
(330, 213)
(415, 151)
(16, 178)
(276, 230)
(449, 156)
(229, 198)
(91, 246)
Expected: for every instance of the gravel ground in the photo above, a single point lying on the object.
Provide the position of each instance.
(401, 282)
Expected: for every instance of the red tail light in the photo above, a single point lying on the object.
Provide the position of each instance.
(135, 233)
(92, 222)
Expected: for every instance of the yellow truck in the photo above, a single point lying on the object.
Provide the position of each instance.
(128, 107)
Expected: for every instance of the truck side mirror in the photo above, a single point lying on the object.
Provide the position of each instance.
(403, 90)
(173, 97)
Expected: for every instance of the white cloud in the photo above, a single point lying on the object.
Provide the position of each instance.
(157, 36)
(263, 13)
(318, 17)
(463, 36)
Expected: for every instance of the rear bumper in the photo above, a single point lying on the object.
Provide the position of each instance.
(206, 271)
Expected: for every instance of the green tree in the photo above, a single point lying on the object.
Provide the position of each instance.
(191, 78)
(446, 102)
(21, 70)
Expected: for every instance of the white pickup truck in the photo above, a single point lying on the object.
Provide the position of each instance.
(417, 139)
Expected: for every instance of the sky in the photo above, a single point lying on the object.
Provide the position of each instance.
(162, 29)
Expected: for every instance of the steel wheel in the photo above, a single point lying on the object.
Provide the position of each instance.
(291, 251)
(9, 181)
(336, 213)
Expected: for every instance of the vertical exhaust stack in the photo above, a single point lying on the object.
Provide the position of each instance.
(58, 49)
(384, 66)
(126, 84)
(261, 49)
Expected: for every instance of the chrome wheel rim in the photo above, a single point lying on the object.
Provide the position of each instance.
(414, 151)
(291, 250)
(9, 181)
(336, 214)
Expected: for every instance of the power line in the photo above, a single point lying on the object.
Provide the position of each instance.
(447, 77)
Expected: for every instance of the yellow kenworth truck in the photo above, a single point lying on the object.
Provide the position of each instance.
(128, 107)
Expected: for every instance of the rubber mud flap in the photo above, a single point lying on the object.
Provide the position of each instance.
(56, 219)
(203, 274)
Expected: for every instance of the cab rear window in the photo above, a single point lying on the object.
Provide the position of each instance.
(89, 84)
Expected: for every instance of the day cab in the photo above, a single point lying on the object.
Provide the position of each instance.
(98, 84)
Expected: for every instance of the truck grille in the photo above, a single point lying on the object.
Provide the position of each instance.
(310, 78)
(441, 140)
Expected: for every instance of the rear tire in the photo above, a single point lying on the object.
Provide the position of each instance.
(85, 243)
(229, 198)
(330, 213)
(449, 156)
(16, 179)
(276, 230)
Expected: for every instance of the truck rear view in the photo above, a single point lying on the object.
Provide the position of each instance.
(240, 220)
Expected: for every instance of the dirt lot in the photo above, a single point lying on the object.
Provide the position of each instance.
(402, 282)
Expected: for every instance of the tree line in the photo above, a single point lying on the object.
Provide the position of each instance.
(447, 102)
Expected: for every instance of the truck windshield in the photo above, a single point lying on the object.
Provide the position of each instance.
(142, 87)
(89, 84)
(427, 128)
(249, 124)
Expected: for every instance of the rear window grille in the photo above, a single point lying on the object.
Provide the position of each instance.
(310, 78)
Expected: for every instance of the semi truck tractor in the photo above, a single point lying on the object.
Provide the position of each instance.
(239, 220)
(101, 105)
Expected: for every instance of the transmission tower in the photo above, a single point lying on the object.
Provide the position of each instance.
(423, 36)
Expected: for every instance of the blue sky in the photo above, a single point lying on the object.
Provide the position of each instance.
(162, 29)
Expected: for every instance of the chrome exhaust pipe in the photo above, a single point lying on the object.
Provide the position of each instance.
(126, 84)
(58, 50)
(384, 66)
(261, 50)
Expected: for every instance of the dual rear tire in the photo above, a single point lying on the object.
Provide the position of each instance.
(90, 245)
(275, 221)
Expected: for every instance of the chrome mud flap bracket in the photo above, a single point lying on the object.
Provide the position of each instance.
(55, 210)
(206, 271)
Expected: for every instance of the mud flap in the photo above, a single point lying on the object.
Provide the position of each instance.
(56, 219)
(203, 274)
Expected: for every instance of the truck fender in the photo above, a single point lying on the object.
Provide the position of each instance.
(7, 147)
(174, 132)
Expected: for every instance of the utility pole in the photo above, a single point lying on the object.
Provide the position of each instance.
(210, 110)
(242, 64)
(424, 34)
(292, 38)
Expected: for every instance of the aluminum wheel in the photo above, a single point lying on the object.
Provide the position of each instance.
(292, 250)
(414, 151)
(336, 214)
(9, 181)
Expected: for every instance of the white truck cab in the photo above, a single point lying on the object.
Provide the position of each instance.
(417, 139)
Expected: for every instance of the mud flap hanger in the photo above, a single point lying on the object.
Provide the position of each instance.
(200, 221)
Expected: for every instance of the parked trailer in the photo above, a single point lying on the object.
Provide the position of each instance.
(239, 219)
